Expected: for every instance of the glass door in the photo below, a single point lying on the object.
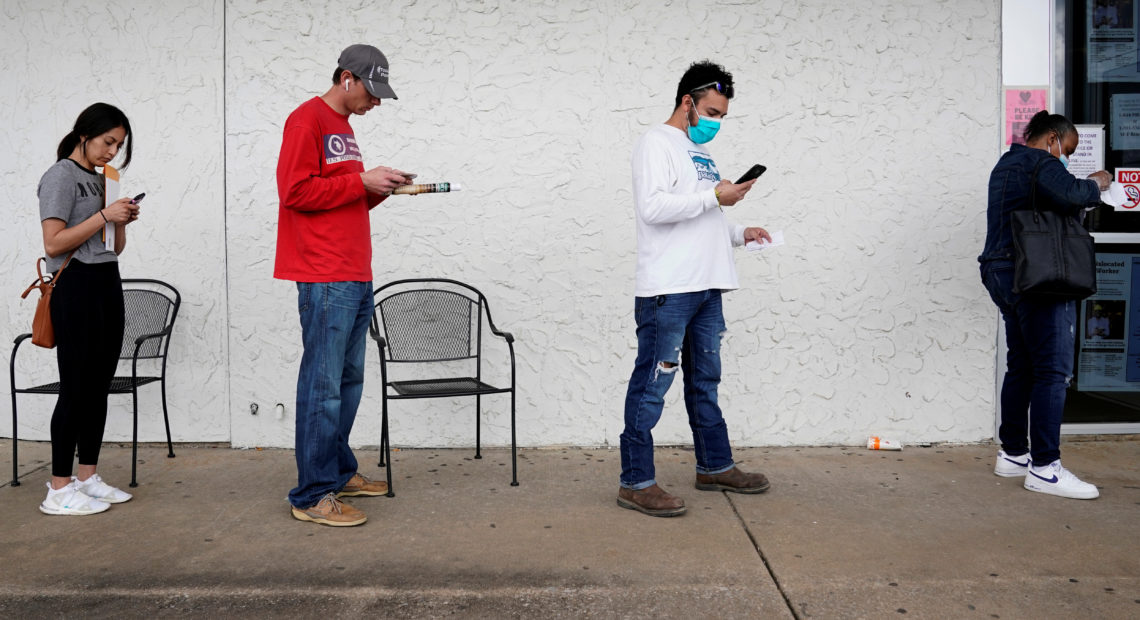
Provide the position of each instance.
(1099, 74)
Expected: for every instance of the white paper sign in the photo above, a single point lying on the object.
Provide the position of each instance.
(110, 194)
(1089, 156)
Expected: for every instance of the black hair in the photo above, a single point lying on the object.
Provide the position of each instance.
(701, 74)
(340, 70)
(96, 120)
(1043, 123)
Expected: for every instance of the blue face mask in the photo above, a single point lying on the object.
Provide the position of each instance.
(705, 129)
(1061, 156)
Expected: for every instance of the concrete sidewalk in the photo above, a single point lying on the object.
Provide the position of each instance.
(843, 533)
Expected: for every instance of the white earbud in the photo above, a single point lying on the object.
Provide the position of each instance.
(346, 86)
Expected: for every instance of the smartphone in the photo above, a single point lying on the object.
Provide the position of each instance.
(753, 173)
(138, 198)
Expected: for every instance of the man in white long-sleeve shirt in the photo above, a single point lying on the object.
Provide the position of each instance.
(684, 262)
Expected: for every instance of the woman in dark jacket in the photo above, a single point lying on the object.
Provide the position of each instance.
(1040, 333)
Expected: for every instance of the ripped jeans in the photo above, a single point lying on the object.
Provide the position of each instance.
(682, 331)
(1040, 335)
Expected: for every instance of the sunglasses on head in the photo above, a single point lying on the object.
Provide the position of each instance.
(720, 88)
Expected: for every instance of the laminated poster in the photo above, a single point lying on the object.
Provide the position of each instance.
(1108, 330)
(1112, 42)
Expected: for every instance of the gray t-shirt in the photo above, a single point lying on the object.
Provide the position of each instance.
(72, 193)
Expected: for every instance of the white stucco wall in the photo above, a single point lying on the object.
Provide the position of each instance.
(875, 120)
(163, 67)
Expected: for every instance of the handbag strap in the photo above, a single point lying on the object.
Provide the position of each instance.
(62, 267)
(40, 280)
(1033, 185)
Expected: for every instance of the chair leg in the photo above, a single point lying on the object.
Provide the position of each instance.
(166, 419)
(383, 431)
(15, 455)
(514, 446)
(387, 450)
(478, 421)
(135, 438)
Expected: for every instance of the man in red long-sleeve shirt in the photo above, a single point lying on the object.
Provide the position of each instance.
(324, 245)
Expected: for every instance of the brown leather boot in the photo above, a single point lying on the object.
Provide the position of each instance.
(733, 480)
(653, 501)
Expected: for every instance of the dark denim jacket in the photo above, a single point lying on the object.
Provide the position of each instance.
(1057, 190)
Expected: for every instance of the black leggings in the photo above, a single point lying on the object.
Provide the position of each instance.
(87, 314)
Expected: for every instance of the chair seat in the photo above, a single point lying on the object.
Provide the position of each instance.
(459, 386)
(119, 385)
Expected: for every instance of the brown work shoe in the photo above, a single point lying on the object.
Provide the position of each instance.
(653, 501)
(330, 511)
(360, 484)
(733, 480)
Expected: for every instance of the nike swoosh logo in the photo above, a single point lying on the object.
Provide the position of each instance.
(1052, 480)
(1015, 462)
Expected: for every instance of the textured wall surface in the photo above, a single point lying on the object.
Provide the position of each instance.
(163, 67)
(876, 121)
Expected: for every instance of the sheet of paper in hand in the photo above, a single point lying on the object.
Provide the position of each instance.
(777, 239)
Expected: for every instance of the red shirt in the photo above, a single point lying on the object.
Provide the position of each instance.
(323, 232)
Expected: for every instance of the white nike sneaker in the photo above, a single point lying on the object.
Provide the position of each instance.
(1056, 480)
(69, 500)
(96, 488)
(1011, 466)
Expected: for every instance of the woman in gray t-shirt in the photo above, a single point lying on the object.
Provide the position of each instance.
(87, 303)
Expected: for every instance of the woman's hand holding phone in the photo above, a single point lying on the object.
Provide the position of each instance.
(122, 211)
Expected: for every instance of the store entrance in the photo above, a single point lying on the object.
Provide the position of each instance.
(1102, 87)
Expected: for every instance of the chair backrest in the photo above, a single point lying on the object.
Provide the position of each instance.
(150, 307)
(430, 325)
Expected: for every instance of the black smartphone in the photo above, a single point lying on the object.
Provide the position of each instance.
(753, 173)
(136, 199)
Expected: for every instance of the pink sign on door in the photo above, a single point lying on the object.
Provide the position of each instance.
(1020, 106)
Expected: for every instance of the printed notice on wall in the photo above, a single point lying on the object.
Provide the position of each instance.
(1112, 41)
(1108, 329)
(1020, 106)
(1089, 156)
(1125, 113)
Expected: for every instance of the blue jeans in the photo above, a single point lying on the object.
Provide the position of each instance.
(334, 322)
(686, 326)
(1040, 335)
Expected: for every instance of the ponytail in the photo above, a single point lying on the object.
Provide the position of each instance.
(67, 146)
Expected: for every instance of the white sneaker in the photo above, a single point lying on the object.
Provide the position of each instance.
(1011, 466)
(96, 488)
(1056, 480)
(69, 500)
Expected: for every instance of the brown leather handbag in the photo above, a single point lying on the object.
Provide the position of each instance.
(43, 334)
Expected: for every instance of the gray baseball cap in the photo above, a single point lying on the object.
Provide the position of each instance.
(370, 65)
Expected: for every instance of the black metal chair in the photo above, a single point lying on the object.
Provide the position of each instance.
(150, 307)
(432, 320)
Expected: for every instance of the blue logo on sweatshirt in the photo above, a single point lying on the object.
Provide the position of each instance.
(341, 147)
(706, 167)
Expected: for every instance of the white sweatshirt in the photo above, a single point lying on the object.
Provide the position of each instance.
(684, 241)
